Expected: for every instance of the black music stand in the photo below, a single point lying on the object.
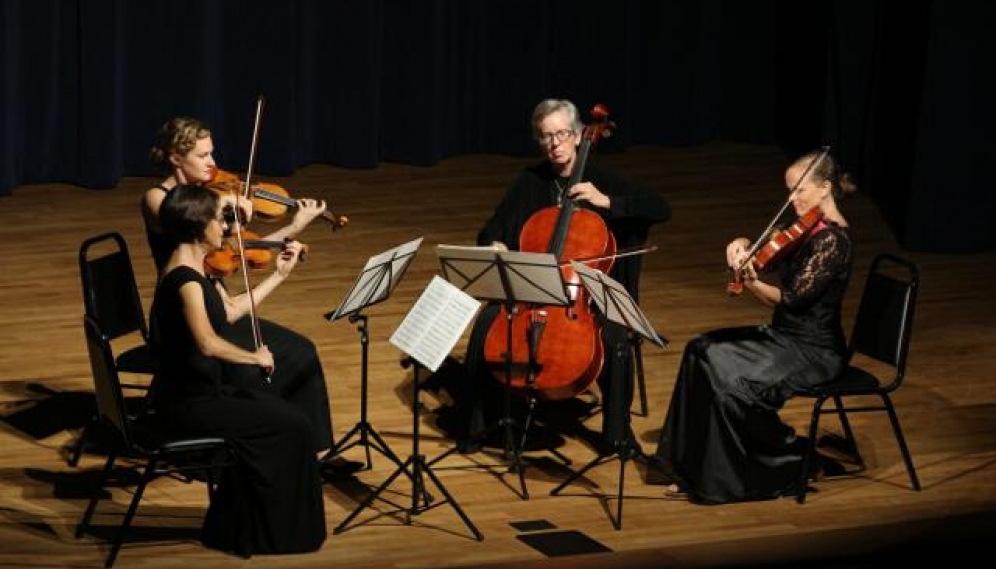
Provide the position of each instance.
(614, 304)
(429, 331)
(512, 278)
(373, 285)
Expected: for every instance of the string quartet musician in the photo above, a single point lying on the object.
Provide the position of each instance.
(271, 501)
(722, 438)
(627, 209)
(183, 150)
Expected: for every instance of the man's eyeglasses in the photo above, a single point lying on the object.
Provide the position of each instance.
(548, 138)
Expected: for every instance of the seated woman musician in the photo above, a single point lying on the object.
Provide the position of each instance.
(627, 212)
(722, 439)
(271, 500)
(184, 150)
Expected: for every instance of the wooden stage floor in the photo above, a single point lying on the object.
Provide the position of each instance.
(718, 191)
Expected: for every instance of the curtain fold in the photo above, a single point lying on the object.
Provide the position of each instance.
(86, 84)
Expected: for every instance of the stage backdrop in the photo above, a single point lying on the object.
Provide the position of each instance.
(899, 89)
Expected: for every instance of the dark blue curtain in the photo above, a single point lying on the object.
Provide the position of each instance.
(86, 83)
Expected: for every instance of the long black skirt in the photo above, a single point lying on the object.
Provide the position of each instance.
(271, 501)
(722, 435)
(297, 376)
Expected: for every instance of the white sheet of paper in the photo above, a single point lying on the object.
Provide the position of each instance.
(435, 323)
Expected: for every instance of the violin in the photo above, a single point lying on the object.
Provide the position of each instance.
(778, 246)
(775, 245)
(226, 261)
(571, 354)
(270, 202)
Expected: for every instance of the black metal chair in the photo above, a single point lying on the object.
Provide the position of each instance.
(882, 330)
(135, 439)
(110, 296)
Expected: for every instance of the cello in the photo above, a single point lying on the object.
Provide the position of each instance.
(558, 352)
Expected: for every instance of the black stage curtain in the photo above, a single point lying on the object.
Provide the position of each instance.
(86, 83)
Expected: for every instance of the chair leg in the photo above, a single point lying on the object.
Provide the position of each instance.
(150, 470)
(849, 438)
(641, 381)
(810, 451)
(74, 458)
(95, 496)
(894, 419)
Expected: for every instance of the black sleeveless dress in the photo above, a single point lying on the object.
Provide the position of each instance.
(298, 375)
(271, 501)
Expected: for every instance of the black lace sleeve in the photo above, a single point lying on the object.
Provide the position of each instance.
(822, 259)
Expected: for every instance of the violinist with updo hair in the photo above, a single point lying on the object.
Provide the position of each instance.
(184, 150)
(722, 439)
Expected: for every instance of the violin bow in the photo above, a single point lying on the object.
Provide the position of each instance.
(257, 335)
(795, 188)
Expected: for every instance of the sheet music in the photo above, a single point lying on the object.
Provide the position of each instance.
(399, 255)
(435, 323)
(614, 302)
(529, 277)
(445, 247)
(378, 278)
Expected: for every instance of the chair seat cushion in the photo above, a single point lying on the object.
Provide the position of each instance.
(851, 380)
(136, 360)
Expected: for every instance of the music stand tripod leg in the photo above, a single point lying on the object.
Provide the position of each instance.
(363, 431)
(525, 433)
(535, 334)
(622, 448)
(510, 451)
(419, 469)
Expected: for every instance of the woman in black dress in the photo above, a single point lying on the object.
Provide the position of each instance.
(722, 437)
(271, 500)
(184, 149)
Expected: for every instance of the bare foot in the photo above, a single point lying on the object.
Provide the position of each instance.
(675, 492)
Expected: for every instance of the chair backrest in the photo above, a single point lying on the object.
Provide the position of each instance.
(884, 321)
(106, 383)
(110, 292)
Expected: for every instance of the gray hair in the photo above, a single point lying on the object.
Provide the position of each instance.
(549, 106)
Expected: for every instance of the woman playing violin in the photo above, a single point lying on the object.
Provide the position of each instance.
(184, 149)
(271, 500)
(722, 438)
(627, 209)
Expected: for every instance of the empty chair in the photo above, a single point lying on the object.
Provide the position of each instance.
(135, 439)
(882, 329)
(110, 297)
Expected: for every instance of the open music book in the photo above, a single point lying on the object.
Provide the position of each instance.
(435, 323)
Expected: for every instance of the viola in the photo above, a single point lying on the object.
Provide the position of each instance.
(567, 356)
(270, 202)
(778, 246)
